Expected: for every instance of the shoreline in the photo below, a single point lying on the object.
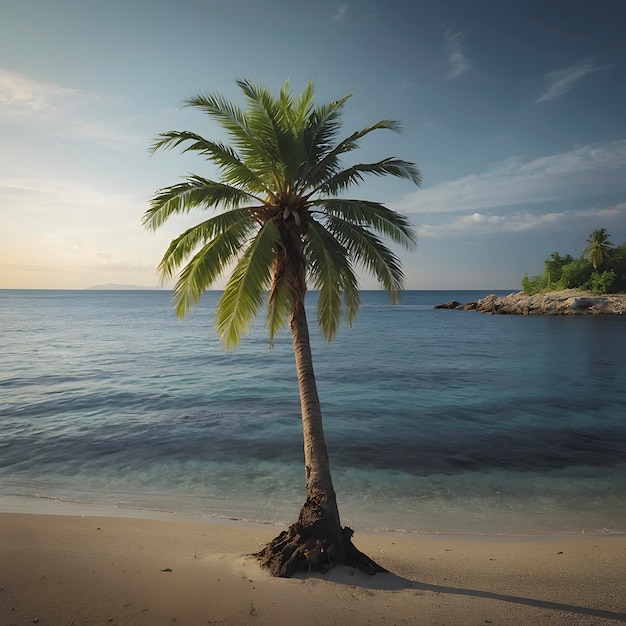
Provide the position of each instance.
(562, 302)
(91, 570)
(43, 505)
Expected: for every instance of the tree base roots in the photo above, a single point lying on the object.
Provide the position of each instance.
(297, 551)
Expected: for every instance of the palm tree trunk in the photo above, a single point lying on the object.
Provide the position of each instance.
(316, 540)
(319, 515)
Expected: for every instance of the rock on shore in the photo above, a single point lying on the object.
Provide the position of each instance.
(566, 302)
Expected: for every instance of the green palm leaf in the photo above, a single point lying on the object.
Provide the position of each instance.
(355, 174)
(236, 221)
(232, 169)
(371, 253)
(323, 125)
(328, 163)
(279, 126)
(195, 192)
(280, 303)
(250, 139)
(228, 115)
(243, 295)
(374, 215)
(332, 274)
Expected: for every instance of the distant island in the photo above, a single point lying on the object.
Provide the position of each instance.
(118, 287)
(593, 284)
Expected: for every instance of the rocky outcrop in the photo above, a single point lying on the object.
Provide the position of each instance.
(566, 302)
(453, 304)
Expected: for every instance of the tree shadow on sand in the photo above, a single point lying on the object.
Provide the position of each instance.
(391, 582)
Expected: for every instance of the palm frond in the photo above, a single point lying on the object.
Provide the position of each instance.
(173, 138)
(243, 295)
(280, 303)
(355, 174)
(256, 153)
(328, 163)
(304, 105)
(332, 274)
(194, 192)
(262, 116)
(322, 126)
(368, 250)
(232, 169)
(237, 224)
(228, 115)
(279, 127)
(373, 215)
(206, 266)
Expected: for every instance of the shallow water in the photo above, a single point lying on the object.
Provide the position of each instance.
(436, 421)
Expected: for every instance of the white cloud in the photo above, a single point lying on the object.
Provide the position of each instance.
(21, 94)
(482, 223)
(456, 53)
(64, 112)
(562, 81)
(342, 9)
(577, 173)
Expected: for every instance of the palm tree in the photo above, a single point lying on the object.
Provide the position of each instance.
(599, 247)
(282, 225)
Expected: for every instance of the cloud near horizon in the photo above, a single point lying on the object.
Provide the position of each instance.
(577, 173)
(108, 262)
(486, 224)
(562, 81)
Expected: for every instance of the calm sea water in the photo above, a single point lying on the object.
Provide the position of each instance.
(436, 421)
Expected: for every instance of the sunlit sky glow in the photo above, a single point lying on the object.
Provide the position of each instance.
(514, 111)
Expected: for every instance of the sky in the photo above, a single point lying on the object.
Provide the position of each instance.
(514, 111)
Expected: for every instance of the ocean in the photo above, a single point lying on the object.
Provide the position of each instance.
(436, 421)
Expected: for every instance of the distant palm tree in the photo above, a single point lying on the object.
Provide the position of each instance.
(282, 225)
(599, 247)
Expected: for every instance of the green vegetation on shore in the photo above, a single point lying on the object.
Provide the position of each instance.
(601, 269)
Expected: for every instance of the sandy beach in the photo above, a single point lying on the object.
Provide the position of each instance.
(80, 570)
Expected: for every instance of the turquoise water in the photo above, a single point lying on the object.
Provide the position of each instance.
(436, 420)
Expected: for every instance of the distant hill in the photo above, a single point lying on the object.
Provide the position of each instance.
(117, 287)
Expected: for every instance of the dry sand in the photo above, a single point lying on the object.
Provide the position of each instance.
(62, 569)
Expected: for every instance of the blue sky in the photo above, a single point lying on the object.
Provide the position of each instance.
(513, 110)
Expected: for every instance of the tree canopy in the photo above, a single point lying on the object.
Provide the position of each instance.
(601, 268)
(599, 248)
(281, 174)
